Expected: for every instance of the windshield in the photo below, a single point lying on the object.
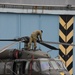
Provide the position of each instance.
(54, 64)
(61, 64)
(51, 64)
(46, 65)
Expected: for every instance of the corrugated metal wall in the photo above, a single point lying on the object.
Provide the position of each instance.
(16, 25)
(40, 2)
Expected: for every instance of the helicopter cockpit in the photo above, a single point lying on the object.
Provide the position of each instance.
(52, 64)
(45, 66)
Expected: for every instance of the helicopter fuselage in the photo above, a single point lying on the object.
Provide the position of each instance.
(41, 66)
(24, 62)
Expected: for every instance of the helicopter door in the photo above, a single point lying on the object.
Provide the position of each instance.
(36, 68)
(2, 64)
(19, 68)
(8, 68)
(23, 65)
(27, 68)
(32, 68)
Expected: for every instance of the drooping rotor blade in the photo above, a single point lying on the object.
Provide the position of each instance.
(9, 40)
(59, 43)
(6, 47)
(48, 46)
(22, 39)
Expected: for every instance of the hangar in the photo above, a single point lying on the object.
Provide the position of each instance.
(56, 18)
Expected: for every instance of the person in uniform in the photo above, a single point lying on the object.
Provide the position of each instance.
(36, 35)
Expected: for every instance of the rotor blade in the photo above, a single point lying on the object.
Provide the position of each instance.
(59, 43)
(6, 47)
(22, 39)
(48, 46)
(9, 40)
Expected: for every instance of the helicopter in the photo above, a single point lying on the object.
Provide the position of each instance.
(29, 62)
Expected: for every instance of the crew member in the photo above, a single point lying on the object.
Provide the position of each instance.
(36, 35)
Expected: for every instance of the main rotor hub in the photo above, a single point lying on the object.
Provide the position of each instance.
(24, 39)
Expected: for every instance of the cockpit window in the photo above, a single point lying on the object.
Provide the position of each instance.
(54, 64)
(35, 67)
(45, 65)
(60, 64)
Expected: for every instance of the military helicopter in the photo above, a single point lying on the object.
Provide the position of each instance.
(29, 62)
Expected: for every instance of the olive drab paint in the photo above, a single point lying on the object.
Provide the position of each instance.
(66, 36)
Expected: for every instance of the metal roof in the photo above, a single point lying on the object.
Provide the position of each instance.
(34, 6)
(40, 2)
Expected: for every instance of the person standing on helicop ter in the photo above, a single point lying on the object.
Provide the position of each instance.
(36, 35)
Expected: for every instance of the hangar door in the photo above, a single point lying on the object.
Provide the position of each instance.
(19, 25)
